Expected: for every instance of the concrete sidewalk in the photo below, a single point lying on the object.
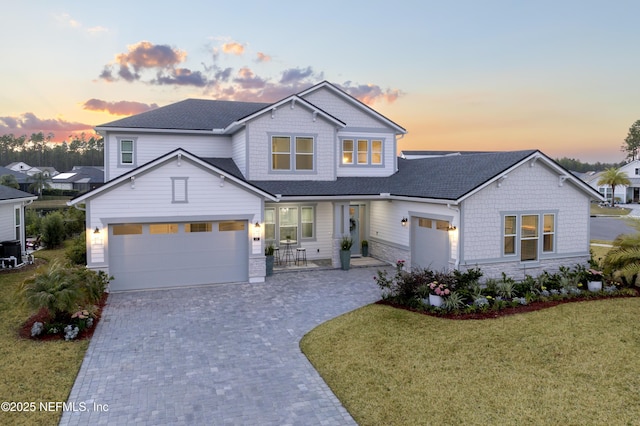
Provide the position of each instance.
(216, 355)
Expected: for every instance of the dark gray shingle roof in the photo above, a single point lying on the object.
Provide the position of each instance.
(447, 178)
(190, 114)
(7, 193)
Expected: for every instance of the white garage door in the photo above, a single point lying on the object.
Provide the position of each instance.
(143, 256)
(430, 244)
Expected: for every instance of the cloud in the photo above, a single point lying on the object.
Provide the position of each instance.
(144, 57)
(67, 21)
(369, 94)
(28, 123)
(248, 80)
(118, 108)
(262, 57)
(159, 64)
(233, 48)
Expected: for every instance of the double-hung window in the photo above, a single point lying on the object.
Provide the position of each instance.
(127, 151)
(294, 153)
(528, 235)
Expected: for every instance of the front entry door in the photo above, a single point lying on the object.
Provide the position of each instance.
(354, 227)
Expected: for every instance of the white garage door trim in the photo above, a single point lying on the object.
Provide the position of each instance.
(174, 254)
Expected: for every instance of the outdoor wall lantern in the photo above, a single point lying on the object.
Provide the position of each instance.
(404, 221)
(256, 232)
(451, 228)
(97, 238)
(97, 230)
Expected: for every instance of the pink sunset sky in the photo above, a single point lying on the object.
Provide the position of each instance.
(559, 76)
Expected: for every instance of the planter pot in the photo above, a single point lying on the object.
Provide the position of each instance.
(594, 285)
(435, 300)
(269, 265)
(365, 251)
(345, 259)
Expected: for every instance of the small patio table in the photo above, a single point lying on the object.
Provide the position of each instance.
(287, 255)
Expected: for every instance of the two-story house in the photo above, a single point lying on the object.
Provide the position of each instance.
(194, 190)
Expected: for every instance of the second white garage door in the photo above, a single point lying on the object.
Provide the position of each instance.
(156, 255)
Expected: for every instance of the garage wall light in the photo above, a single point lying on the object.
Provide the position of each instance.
(451, 228)
(256, 232)
(97, 230)
(404, 221)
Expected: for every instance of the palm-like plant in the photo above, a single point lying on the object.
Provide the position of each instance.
(623, 260)
(56, 290)
(10, 181)
(40, 182)
(613, 177)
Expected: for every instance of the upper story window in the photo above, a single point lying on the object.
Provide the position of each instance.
(126, 152)
(292, 153)
(361, 152)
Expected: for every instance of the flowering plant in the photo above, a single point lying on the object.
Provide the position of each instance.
(439, 289)
(595, 275)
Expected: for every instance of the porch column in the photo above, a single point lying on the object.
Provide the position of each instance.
(340, 229)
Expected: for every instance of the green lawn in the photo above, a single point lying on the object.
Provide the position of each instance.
(32, 371)
(615, 211)
(572, 364)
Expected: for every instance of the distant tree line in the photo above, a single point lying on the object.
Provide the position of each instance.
(38, 150)
(578, 166)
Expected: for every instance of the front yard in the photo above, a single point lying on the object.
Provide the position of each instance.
(32, 371)
(571, 364)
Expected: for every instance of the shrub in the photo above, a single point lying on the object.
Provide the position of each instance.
(77, 250)
(52, 230)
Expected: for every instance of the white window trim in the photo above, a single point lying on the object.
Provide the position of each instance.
(133, 141)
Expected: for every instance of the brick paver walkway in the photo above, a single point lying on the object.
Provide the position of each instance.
(216, 355)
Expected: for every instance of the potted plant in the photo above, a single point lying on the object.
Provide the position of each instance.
(365, 248)
(268, 252)
(437, 292)
(594, 282)
(345, 252)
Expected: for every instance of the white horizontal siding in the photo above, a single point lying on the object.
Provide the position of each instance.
(150, 146)
(7, 222)
(385, 219)
(239, 150)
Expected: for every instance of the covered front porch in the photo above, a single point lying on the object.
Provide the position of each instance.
(325, 264)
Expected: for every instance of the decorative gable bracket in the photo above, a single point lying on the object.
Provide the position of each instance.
(501, 179)
(561, 179)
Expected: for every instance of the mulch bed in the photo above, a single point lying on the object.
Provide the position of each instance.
(490, 314)
(43, 315)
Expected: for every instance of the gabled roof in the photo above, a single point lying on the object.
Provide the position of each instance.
(180, 154)
(190, 114)
(223, 117)
(7, 193)
(350, 99)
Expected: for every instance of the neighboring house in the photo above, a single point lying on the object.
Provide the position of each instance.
(80, 178)
(23, 167)
(12, 220)
(22, 178)
(624, 193)
(194, 191)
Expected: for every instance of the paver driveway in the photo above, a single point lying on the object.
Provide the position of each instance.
(220, 354)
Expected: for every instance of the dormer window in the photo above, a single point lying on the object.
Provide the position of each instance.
(361, 152)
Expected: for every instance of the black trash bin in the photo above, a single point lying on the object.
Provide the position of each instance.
(12, 248)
